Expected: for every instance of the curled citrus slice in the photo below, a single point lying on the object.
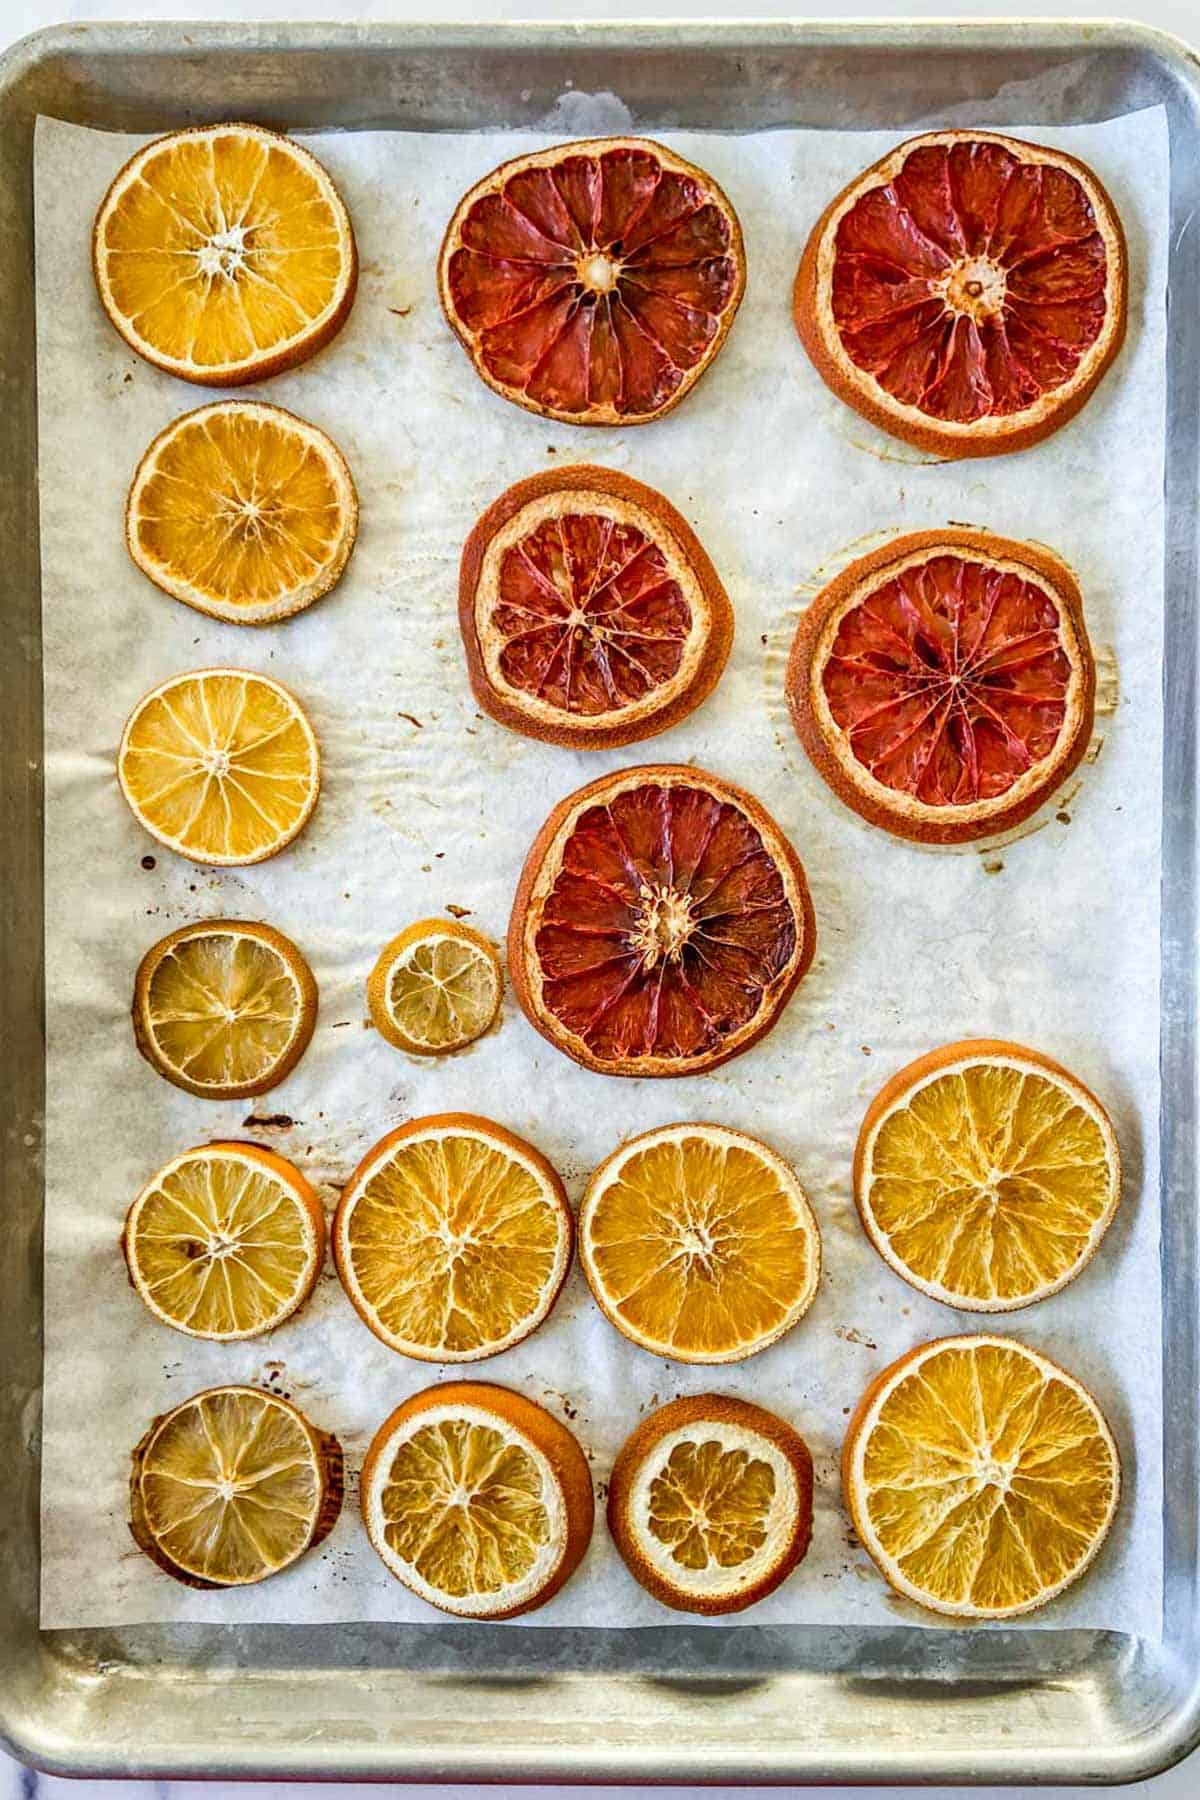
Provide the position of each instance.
(944, 685)
(966, 293)
(699, 1243)
(220, 765)
(661, 923)
(224, 1008)
(710, 1503)
(435, 988)
(232, 1486)
(981, 1478)
(593, 282)
(986, 1175)
(477, 1499)
(225, 1242)
(452, 1238)
(590, 614)
(224, 254)
(243, 511)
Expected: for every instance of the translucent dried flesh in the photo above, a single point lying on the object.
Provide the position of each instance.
(591, 617)
(224, 1008)
(973, 283)
(666, 925)
(223, 249)
(442, 993)
(463, 1506)
(990, 1181)
(231, 1487)
(950, 680)
(594, 281)
(221, 766)
(697, 1246)
(987, 1479)
(452, 1244)
(710, 1505)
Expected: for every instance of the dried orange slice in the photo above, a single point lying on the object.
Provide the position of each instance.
(966, 293)
(699, 1243)
(981, 1478)
(710, 1503)
(452, 1238)
(477, 1499)
(435, 988)
(220, 765)
(224, 254)
(225, 1242)
(232, 1486)
(986, 1175)
(593, 282)
(944, 685)
(590, 614)
(243, 511)
(224, 1008)
(661, 923)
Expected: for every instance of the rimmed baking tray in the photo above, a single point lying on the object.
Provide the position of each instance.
(455, 1702)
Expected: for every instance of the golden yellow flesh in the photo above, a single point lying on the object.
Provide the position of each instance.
(710, 1505)
(462, 1505)
(990, 1181)
(442, 994)
(697, 1246)
(220, 765)
(231, 1488)
(223, 1008)
(987, 1479)
(452, 1244)
(222, 250)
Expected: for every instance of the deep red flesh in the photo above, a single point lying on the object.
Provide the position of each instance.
(599, 980)
(1034, 227)
(950, 680)
(515, 280)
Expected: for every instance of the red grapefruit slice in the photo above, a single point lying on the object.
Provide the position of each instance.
(593, 282)
(966, 293)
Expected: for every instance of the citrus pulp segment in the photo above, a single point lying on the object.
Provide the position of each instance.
(435, 988)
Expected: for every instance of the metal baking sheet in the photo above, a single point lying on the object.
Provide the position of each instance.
(671, 1703)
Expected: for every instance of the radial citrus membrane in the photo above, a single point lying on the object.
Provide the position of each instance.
(593, 282)
(435, 988)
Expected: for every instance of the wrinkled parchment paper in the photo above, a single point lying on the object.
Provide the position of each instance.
(426, 805)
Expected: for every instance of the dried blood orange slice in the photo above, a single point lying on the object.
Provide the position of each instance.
(661, 923)
(944, 684)
(966, 292)
(593, 282)
(590, 614)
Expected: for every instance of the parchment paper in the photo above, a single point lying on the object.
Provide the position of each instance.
(1052, 940)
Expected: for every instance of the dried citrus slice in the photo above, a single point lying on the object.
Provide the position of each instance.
(225, 1242)
(477, 1499)
(699, 1243)
(661, 923)
(435, 988)
(593, 282)
(224, 254)
(986, 1175)
(710, 1503)
(981, 1478)
(243, 511)
(233, 1486)
(220, 765)
(966, 293)
(452, 1238)
(224, 1008)
(590, 614)
(944, 684)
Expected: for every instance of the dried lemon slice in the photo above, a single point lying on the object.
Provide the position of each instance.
(243, 511)
(233, 1486)
(225, 1242)
(224, 1008)
(220, 765)
(435, 988)
(477, 1499)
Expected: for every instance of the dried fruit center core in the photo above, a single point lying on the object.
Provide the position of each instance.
(223, 253)
(598, 272)
(664, 925)
(976, 287)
